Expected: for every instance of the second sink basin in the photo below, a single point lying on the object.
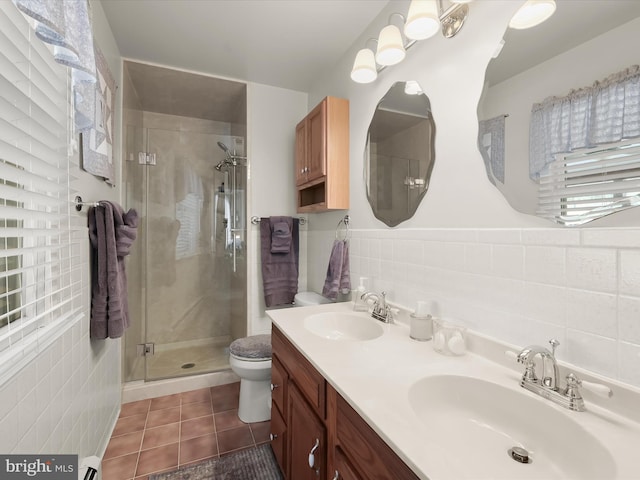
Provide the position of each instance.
(343, 326)
(479, 421)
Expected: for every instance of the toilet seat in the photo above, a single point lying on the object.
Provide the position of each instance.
(256, 348)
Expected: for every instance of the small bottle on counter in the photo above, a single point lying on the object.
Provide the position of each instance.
(359, 305)
(421, 323)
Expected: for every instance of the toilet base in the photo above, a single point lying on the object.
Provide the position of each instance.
(255, 400)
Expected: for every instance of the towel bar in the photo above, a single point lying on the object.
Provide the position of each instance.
(256, 220)
(345, 221)
(79, 203)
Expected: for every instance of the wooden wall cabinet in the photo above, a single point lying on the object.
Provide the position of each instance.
(322, 157)
(318, 421)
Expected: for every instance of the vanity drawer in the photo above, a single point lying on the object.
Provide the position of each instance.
(278, 384)
(369, 455)
(311, 384)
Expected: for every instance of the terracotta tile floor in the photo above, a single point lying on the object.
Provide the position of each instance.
(164, 433)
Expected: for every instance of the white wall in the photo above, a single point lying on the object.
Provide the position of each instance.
(68, 398)
(509, 275)
(272, 118)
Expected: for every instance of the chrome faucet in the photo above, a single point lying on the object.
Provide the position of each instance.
(548, 386)
(549, 365)
(381, 310)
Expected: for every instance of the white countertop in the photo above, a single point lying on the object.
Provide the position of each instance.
(375, 377)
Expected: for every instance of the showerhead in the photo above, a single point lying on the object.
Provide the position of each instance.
(223, 147)
(220, 165)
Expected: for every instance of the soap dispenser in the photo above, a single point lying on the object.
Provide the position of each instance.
(359, 305)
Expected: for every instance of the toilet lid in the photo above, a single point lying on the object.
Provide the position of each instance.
(253, 347)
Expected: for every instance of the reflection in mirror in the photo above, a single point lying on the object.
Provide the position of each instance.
(399, 153)
(581, 44)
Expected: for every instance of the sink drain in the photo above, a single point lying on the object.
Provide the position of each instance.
(519, 454)
(188, 365)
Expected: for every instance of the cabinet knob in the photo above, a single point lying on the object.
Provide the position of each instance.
(312, 456)
(274, 386)
(336, 476)
(273, 436)
(302, 170)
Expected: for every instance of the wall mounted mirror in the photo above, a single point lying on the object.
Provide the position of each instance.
(583, 42)
(399, 153)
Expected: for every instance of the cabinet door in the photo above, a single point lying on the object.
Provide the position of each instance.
(317, 142)
(279, 439)
(368, 453)
(306, 437)
(301, 153)
(343, 469)
(278, 384)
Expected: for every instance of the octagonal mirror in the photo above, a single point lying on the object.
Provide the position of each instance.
(399, 153)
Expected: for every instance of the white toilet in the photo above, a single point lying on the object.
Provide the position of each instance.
(250, 359)
(304, 299)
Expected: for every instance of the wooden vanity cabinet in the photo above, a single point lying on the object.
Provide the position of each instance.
(322, 157)
(300, 400)
(358, 451)
(313, 412)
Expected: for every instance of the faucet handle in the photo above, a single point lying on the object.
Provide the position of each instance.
(554, 343)
(598, 388)
(511, 355)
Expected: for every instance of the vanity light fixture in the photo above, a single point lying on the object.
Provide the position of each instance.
(390, 45)
(532, 13)
(364, 67)
(424, 19)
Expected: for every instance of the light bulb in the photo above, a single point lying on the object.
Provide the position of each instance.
(364, 67)
(390, 48)
(422, 19)
(532, 13)
(411, 87)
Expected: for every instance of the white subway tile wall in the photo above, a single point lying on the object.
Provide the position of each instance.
(68, 399)
(522, 286)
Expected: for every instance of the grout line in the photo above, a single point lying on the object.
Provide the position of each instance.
(144, 430)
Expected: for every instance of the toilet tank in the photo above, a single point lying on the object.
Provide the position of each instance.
(305, 299)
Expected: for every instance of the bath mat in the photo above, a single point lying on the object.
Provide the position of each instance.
(256, 463)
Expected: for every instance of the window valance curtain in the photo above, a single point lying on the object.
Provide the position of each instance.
(606, 112)
(66, 24)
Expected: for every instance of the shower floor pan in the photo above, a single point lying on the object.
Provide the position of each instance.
(191, 360)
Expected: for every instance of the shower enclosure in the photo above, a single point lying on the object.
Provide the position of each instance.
(186, 175)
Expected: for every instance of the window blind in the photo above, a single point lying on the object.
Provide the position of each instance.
(581, 186)
(38, 257)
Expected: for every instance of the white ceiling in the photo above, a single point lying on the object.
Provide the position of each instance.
(284, 43)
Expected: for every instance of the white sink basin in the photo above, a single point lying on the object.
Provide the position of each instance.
(479, 421)
(343, 326)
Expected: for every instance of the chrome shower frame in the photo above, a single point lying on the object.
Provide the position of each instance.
(231, 160)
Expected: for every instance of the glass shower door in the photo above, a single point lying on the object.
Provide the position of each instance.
(188, 280)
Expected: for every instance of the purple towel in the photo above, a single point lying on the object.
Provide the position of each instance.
(280, 236)
(279, 270)
(112, 233)
(338, 276)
